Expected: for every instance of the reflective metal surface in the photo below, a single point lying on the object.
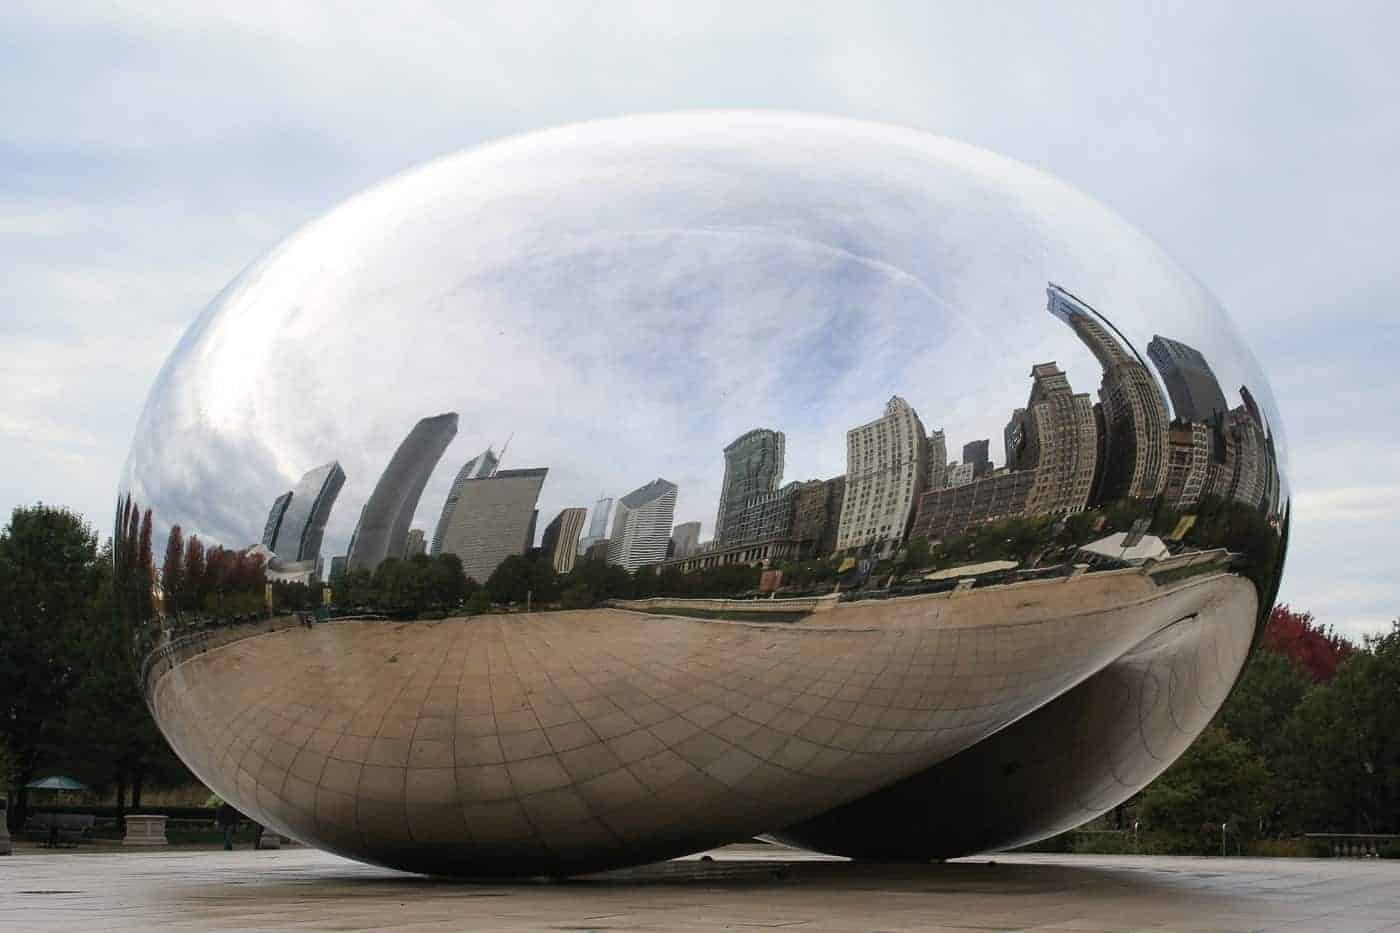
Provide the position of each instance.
(1025, 485)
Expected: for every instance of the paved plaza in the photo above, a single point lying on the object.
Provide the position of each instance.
(742, 887)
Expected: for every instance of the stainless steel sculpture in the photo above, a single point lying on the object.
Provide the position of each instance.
(1002, 649)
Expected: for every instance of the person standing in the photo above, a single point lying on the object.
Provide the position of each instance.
(228, 818)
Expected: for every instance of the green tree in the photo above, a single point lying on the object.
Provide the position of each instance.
(1218, 780)
(510, 581)
(48, 574)
(544, 581)
(108, 736)
(172, 572)
(447, 583)
(1263, 700)
(1343, 761)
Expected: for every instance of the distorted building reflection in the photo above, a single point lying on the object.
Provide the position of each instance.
(385, 518)
(642, 526)
(1134, 412)
(753, 466)
(885, 469)
(597, 525)
(493, 518)
(483, 464)
(561, 536)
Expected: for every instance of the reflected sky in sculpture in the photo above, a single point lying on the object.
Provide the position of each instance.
(624, 298)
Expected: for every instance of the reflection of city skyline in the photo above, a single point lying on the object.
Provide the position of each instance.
(1063, 453)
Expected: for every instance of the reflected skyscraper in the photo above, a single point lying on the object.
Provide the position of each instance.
(1188, 463)
(818, 514)
(937, 467)
(273, 526)
(1134, 412)
(304, 521)
(560, 541)
(597, 525)
(885, 466)
(979, 454)
(1059, 443)
(753, 465)
(493, 520)
(685, 538)
(483, 464)
(642, 527)
(384, 520)
(1190, 382)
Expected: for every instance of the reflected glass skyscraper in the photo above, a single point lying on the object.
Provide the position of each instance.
(597, 525)
(753, 465)
(304, 521)
(272, 528)
(1190, 382)
(383, 526)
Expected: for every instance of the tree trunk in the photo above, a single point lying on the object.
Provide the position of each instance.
(136, 781)
(121, 798)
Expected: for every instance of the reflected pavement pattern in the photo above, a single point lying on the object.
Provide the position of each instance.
(1040, 506)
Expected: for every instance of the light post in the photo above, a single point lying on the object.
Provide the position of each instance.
(1222, 837)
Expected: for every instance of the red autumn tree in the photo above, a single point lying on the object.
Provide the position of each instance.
(1316, 648)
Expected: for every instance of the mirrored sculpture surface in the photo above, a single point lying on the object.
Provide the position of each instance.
(611, 492)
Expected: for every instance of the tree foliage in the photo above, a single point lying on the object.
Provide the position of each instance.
(48, 577)
(1318, 650)
(1305, 743)
(1218, 780)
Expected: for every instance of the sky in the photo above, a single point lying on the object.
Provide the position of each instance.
(151, 151)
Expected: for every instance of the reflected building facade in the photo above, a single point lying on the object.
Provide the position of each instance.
(642, 527)
(384, 520)
(979, 455)
(817, 515)
(482, 465)
(765, 516)
(1134, 412)
(309, 508)
(685, 539)
(597, 525)
(936, 455)
(493, 519)
(947, 513)
(753, 466)
(1188, 463)
(885, 469)
(959, 474)
(273, 526)
(1190, 382)
(560, 541)
(1059, 443)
